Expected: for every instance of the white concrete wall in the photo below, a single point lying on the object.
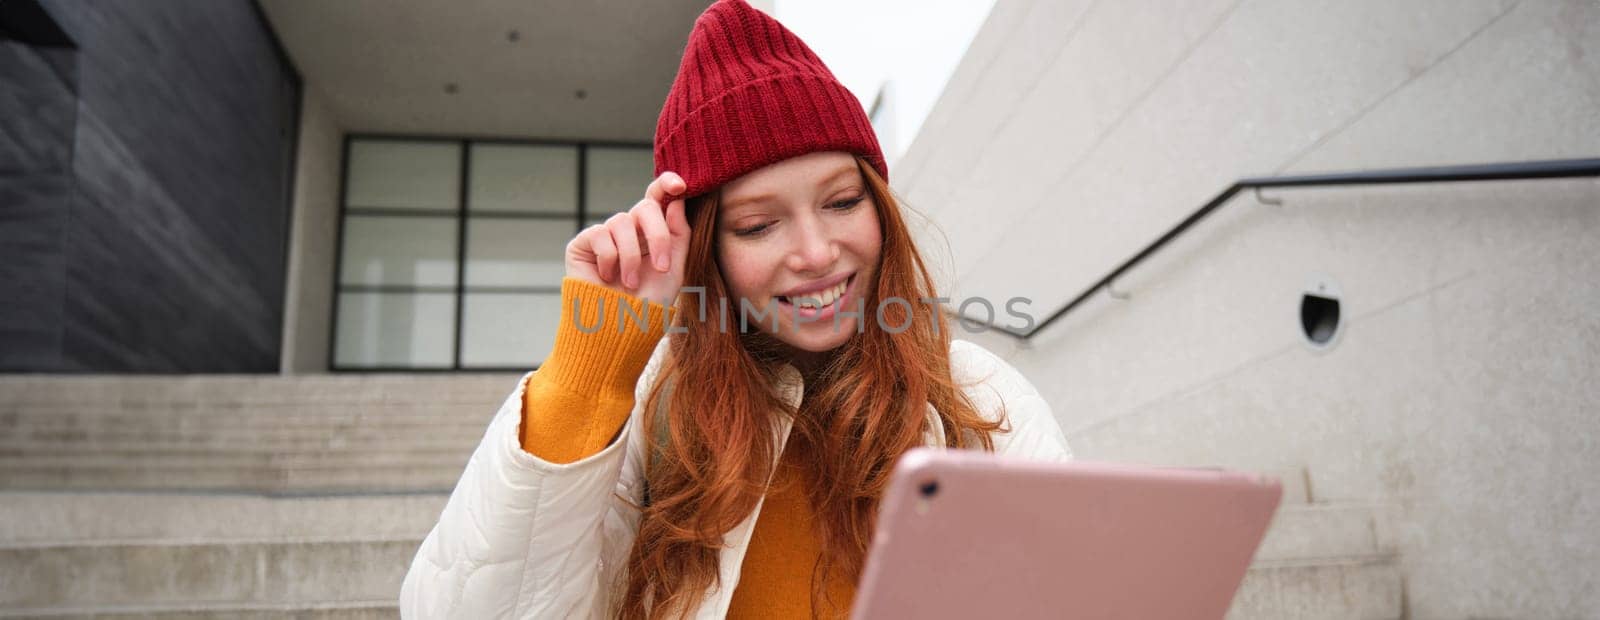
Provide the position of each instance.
(308, 302)
(765, 6)
(1459, 399)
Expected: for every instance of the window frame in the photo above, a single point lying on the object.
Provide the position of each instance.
(462, 216)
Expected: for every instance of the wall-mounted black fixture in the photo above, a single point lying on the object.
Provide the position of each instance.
(1320, 318)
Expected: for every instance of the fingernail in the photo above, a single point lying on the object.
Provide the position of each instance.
(661, 263)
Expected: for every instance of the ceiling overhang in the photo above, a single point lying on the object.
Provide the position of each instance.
(573, 69)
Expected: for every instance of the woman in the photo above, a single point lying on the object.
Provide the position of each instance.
(731, 468)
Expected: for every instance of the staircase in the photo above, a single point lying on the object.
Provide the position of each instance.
(1323, 561)
(226, 496)
(117, 555)
(263, 434)
(264, 497)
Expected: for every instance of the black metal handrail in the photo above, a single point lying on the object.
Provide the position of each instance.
(1545, 169)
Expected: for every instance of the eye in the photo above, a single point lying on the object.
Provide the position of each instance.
(751, 231)
(847, 204)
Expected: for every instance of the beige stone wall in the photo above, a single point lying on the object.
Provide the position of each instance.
(308, 302)
(1459, 399)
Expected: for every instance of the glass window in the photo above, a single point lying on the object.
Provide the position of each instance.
(393, 174)
(428, 280)
(504, 330)
(399, 250)
(524, 178)
(615, 180)
(516, 253)
(396, 330)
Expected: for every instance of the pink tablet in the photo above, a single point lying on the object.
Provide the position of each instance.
(971, 535)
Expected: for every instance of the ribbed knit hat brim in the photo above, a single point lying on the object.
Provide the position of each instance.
(749, 93)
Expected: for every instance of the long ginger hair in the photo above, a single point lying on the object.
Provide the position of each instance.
(867, 405)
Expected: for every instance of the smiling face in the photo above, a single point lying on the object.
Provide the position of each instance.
(801, 238)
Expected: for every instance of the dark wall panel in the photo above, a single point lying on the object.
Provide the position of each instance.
(173, 252)
(38, 104)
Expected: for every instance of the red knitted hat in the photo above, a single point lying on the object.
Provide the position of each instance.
(749, 93)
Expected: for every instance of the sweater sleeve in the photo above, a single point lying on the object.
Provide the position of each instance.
(581, 396)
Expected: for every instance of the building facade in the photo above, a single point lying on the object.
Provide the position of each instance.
(148, 156)
(1446, 421)
(329, 197)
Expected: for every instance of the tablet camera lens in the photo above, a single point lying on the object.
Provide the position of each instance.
(930, 488)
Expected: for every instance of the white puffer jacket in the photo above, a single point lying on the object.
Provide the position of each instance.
(525, 538)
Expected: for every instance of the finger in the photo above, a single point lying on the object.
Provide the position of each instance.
(665, 187)
(658, 240)
(625, 234)
(605, 252)
(677, 220)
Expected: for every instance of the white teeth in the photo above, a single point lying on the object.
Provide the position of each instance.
(819, 300)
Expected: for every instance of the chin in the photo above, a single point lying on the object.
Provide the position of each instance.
(818, 337)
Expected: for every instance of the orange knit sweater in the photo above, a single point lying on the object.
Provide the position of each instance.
(583, 393)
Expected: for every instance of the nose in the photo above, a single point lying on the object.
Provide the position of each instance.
(814, 248)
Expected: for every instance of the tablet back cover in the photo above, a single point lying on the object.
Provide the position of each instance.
(963, 535)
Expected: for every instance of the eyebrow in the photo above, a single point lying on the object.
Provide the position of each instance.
(829, 180)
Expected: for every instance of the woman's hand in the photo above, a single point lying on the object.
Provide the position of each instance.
(640, 252)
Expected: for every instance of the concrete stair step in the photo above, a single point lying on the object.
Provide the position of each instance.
(416, 439)
(259, 479)
(189, 458)
(288, 415)
(54, 392)
(132, 433)
(306, 449)
(1323, 561)
(1317, 561)
(1358, 588)
(210, 572)
(132, 555)
(251, 433)
(59, 517)
(1349, 590)
(1325, 531)
(357, 610)
(18, 423)
(244, 427)
(128, 438)
(75, 422)
(258, 434)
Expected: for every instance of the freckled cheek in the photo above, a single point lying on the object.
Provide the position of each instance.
(867, 242)
(751, 274)
(868, 237)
